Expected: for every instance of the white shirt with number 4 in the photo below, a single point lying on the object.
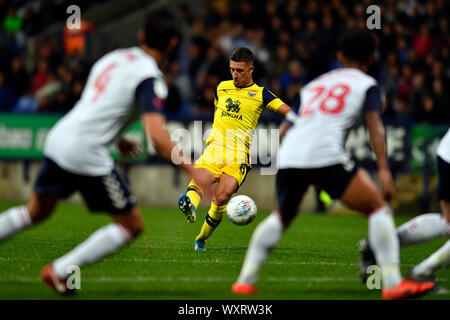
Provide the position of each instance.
(80, 142)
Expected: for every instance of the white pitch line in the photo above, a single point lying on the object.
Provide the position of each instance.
(236, 261)
(187, 279)
(217, 261)
(146, 260)
(191, 279)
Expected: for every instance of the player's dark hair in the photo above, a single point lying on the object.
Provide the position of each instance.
(242, 55)
(357, 45)
(160, 26)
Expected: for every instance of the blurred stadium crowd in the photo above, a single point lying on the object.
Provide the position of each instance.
(293, 41)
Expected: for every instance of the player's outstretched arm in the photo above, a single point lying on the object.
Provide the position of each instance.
(284, 109)
(378, 142)
(154, 127)
(289, 120)
(272, 102)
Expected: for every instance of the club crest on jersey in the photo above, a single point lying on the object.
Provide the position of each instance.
(251, 93)
(233, 106)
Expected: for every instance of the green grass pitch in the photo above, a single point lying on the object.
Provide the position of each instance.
(315, 259)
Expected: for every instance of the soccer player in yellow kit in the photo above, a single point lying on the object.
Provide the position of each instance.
(226, 159)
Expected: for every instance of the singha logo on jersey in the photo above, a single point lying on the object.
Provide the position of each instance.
(233, 106)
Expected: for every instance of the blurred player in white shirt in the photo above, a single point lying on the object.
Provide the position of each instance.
(424, 227)
(312, 152)
(77, 149)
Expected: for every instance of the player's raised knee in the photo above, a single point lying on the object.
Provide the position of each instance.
(222, 198)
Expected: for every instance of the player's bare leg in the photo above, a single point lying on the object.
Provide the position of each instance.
(265, 237)
(226, 187)
(101, 243)
(18, 218)
(188, 202)
(363, 195)
(132, 222)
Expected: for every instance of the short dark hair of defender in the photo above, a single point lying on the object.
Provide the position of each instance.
(357, 45)
(160, 26)
(242, 55)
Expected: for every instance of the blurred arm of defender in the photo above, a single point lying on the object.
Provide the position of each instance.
(150, 95)
(371, 109)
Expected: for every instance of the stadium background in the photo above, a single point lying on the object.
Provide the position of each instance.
(44, 65)
(43, 68)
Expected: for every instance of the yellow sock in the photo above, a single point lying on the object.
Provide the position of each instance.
(213, 218)
(194, 193)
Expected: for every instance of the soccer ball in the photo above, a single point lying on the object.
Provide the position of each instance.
(241, 210)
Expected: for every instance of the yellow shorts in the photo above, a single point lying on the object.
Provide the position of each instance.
(218, 160)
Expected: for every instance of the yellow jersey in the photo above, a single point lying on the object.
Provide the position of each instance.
(237, 113)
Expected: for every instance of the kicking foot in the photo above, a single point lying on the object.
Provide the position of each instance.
(407, 289)
(53, 281)
(200, 245)
(185, 205)
(243, 289)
